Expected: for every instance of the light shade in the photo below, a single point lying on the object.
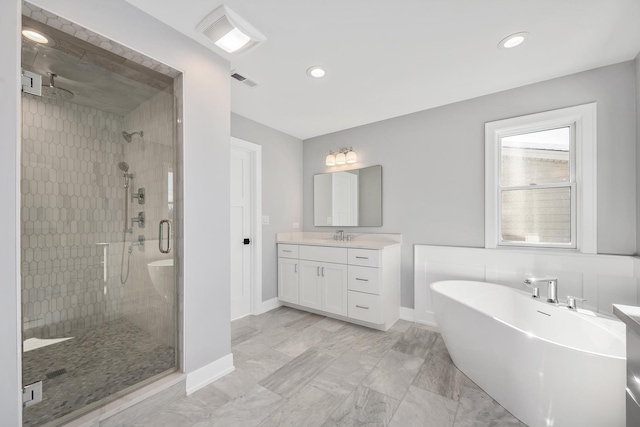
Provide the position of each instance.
(233, 40)
(330, 160)
(351, 156)
(341, 159)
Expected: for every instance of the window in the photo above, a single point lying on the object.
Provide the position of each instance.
(540, 180)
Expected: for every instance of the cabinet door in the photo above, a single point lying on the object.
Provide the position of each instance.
(310, 284)
(288, 280)
(334, 288)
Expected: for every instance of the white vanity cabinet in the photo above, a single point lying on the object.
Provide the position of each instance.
(356, 284)
(288, 272)
(323, 278)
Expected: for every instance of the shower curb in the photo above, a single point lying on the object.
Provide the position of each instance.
(159, 393)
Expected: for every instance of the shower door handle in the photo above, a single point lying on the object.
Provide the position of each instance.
(161, 236)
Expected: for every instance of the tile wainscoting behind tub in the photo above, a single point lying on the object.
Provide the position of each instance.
(602, 280)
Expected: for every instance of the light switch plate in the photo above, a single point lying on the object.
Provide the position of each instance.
(265, 219)
(296, 225)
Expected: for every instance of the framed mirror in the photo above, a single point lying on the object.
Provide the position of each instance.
(350, 198)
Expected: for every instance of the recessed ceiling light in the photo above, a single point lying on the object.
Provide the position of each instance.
(35, 36)
(512, 41)
(317, 72)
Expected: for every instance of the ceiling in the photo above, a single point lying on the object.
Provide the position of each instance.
(389, 58)
(96, 77)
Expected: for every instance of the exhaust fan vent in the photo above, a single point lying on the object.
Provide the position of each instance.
(229, 31)
(243, 79)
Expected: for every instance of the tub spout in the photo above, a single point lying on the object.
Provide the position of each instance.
(552, 287)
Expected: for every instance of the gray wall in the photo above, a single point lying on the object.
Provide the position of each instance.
(206, 177)
(281, 189)
(10, 395)
(637, 64)
(433, 163)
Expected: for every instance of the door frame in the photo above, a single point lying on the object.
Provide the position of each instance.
(255, 153)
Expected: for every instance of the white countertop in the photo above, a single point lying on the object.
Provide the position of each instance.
(359, 240)
(629, 314)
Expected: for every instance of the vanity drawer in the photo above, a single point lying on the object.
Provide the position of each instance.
(324, 254)
(364, 257)
(287, 251)
(365, 307)
(364, 279)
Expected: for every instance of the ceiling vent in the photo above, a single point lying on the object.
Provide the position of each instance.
(243, 79)
(229, 32)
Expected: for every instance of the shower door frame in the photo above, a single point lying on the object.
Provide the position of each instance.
(176, 249)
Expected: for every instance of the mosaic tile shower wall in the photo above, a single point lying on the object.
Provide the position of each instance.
(147, 304)
(72, 200)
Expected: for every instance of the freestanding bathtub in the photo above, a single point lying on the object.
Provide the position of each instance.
(547, 365)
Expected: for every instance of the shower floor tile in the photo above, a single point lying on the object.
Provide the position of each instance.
(96, 363)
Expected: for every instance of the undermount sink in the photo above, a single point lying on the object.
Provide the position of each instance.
(162, 277)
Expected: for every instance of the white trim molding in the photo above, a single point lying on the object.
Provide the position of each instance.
(268, 305)
(209, 373)
(583, 118)
(407, 314)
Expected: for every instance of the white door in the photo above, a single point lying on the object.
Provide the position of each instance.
(345, 198)
(240, 230)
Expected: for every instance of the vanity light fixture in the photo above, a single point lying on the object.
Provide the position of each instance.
(351, 156)
(342, 157)
(512, 40)
(330, 160)
(228, 31)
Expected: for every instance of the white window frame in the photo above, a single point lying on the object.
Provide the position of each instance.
(583, 121)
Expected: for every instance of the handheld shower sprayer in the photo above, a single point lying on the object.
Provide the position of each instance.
(124, 167)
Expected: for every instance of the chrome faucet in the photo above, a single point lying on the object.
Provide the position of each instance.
(552, 287)
(339, 235)
(571, 302)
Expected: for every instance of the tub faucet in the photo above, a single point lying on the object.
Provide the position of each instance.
(552, 287)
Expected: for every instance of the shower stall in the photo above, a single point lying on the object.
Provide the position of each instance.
(99, 193)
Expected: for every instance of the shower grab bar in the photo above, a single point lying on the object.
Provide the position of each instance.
(105, 257)
(161, 236)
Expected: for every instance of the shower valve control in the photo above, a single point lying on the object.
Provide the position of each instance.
(140, 195)
(140, 219)
(140, 242)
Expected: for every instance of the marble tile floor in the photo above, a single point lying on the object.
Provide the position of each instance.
(300, 369)
(99, 361)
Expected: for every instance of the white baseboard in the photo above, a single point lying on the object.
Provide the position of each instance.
(407, 314)
(268, 305)
(426, 318)
(207, 374)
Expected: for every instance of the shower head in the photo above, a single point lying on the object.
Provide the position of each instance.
(124, 166)
(127, 136)
(52, 91)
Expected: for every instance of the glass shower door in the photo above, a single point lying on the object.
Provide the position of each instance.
(99, 299)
